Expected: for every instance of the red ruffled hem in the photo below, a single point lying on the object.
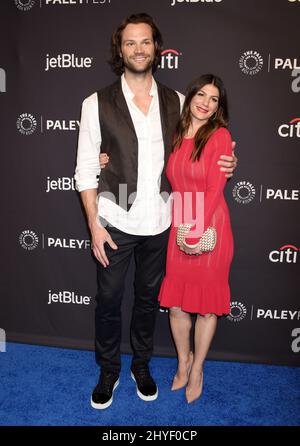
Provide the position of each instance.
(195, 298)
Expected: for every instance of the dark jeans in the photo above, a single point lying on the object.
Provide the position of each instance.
(150, 259)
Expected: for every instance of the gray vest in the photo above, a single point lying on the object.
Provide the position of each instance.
(120, 142)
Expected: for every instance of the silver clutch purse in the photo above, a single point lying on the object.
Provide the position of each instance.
(206, 243)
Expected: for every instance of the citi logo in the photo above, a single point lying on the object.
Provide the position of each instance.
(290, 130)
(68, 297)
(67, 61)
(64, 183)
(169, 59)
(2, 81)
(283, 64)
(286, 254)
(174, 2)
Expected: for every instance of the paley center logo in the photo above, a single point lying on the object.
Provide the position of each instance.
(68, 297)
(243, 192)
(29, 240)
(75, 2)
(24, 5)
(64, 60)
(290, 315)
(290, 130)
(282, 194)
(238, 312)
(170, 59)
(180, 2)
(2, 80)
(26, 124)
(287, 63)
(285, 254)
(251, 62)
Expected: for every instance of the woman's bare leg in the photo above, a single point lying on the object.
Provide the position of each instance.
(205, 328)
(181, 324)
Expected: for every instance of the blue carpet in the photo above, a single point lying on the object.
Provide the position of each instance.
(45, 386)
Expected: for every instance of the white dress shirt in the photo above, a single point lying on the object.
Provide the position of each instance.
(149, 213)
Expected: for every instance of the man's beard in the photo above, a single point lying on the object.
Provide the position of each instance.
(133, 69)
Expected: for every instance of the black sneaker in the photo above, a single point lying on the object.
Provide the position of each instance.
(102, 396)
(145, 386)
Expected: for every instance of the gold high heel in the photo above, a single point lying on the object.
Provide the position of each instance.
(179, 384)
(193, 393)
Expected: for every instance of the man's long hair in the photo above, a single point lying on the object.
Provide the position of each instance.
(116, 61)
(217, 120)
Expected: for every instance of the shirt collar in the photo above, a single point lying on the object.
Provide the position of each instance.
(130, 95)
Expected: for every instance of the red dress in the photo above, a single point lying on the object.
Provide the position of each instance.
(199, 284)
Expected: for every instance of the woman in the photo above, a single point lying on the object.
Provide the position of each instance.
(197, 282)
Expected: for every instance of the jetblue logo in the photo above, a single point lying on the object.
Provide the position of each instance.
(67, 61)
(2, 81)
(64, 183)
(68, 297)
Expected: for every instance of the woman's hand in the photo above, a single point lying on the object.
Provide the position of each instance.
(191, 251)
(228, 163)
(103, 160)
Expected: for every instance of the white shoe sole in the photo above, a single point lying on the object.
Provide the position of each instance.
(144, 397)
(105, 405)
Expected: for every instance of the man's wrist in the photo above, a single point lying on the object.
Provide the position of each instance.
(94, 223)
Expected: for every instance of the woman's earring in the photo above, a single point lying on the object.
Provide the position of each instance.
(214, 116)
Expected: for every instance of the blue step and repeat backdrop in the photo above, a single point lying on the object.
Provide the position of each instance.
(53, 54)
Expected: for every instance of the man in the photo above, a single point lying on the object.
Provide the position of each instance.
(134, 121)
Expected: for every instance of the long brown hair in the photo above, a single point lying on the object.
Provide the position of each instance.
(219, 119)
(116, 61)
